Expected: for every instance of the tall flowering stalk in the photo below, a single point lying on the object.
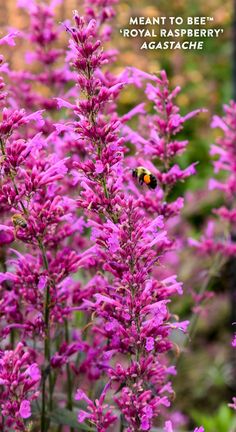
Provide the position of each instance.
(156, 142)
(36, 298)
(217, 241)
(53, 75)
(159, 148)
(129, 309)
(103, 13)
(224, 163)
(19, 187)
(19, 378)
(225, 153)
(41, 222)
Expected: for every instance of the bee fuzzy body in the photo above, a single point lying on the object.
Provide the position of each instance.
(19, 221)
(145, 176)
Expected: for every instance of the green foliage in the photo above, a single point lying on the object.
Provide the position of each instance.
(65, 417)
(224, 420)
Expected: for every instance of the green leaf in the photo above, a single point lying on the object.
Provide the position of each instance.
(63, 416)
(79, 319)
(223, 419)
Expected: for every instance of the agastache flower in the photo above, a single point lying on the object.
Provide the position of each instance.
(12, 120)
(99, 414)
(19, 380)
(218, 239)
(9, 39)
(99, 137)
(130, 311)
(158, 148)
(233, 404)
(214, 240)
(36, 297)
(42, 34)
(224, 150)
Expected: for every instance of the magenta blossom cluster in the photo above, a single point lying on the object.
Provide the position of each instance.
(129, 309)
(43, 37)
(136, 321)
(99, 413)
(218, 238)
(156, 143)
(38, 226)
(19, 380)
(9, 39)
(223, 152)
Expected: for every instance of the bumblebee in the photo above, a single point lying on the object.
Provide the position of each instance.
(19, 221)
(145, 176)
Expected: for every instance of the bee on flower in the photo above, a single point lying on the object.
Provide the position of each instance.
(19, 222)
(145, 176)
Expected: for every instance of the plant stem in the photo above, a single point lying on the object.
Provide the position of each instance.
(47, 348)
(69, 379)
(45, 423)
(12, 338)
(43, 411)
(2, 147)
(105, 188)
(121, 423)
